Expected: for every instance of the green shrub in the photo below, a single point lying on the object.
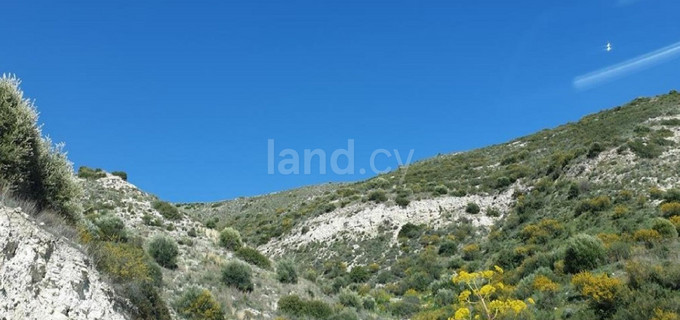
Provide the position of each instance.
(448, 248)
(147, 302)
(595, 150)
(409, 230)
(503, 182)
(167, 210)
(349, 299)
(111, 228)
(327, 207)
(121, 174)
(192, 233)
(286, 272)
(645, 149)
(185, 241)
(91, 174)
(230, 239)
(670, 122)
(369, 303)
(441, 190)
(359, 274)
(379, 183)
(404, 308)
(493, 212)
(164, 251)
(32, 166)
(665, 228)
(583, 252)
(672, 195)
(292, 305)
(377, 196)
(317, 309)
(444, 297)
(574, 191)
(253, 257)
(150, 220)
(402, 201)
(472, 208)
(346, 314)
(212, 223)
(199, 304)
(295, 306)
(238, 275)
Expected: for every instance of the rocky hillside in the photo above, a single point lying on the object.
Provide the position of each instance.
(200, 257)
(579, 222)
(44, 275)
(525, 206)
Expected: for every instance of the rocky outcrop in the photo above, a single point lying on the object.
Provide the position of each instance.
(45, 276)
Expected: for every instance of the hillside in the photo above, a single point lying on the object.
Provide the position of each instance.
(608, 175)
(580, 222)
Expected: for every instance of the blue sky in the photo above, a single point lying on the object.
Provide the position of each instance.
(183, 95)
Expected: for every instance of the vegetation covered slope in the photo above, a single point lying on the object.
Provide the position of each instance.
(590, 229)
(578, 222)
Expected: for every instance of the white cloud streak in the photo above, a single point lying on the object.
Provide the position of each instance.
(627, 67)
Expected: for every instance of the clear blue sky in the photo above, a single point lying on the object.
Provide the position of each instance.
(183, 95)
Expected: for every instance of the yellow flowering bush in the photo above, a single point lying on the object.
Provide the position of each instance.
(123, 261)
(620, 211)
(199, 304)
(608, 238)
(600, 289)
(670, 209)
(485, 296)
(470, 251)
(542, 231)
(647, 236)
(675, 220)
(543, 283)
(664, 315)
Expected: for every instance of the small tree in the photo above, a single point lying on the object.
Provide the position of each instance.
(583, 252)
(286, 272)
(164, 251)
(30, 165)
(230, 239)
(238, 275)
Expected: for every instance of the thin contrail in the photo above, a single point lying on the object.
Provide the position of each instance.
(632, 65)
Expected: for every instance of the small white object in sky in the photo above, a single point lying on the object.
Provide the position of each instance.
(608, 47)
(633, 65)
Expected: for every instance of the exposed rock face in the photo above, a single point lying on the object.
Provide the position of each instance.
(43, 276)
(362, 221)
